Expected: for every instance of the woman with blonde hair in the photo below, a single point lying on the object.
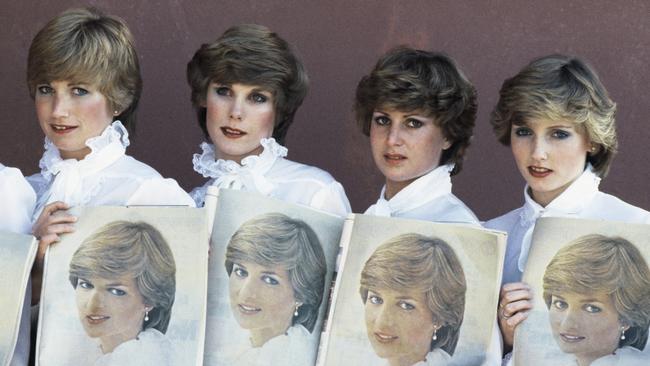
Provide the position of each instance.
(597, 290)
(413, 288)
(124, 276)
(558, 119)
(276, 268)
(246, 88)
(418, 109)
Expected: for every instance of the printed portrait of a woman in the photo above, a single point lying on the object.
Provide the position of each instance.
(597, 290)
(124, 280)
(276, 268)
(413, 289)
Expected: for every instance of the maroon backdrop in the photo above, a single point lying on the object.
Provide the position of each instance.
(339, 42)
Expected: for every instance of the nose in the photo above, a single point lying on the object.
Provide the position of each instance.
(95, 300)
(237, 109)
(571, 320)
(61, 106)
(248, 289)
(395, 135)
(385, 319)
(540, 149)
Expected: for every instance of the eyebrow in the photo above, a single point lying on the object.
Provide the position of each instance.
(270, 273)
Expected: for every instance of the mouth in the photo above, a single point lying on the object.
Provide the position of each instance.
(570, 338)
(392, 158)
(539, 172)
(96, 319)
(232, 133)
(248, 309)
(384, 338)
(62, 129)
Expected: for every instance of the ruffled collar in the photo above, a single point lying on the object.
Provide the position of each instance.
(114, 135)
(250, 174)
(425, 189)
(569, 202)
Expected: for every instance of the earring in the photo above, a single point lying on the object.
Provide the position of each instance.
(116, 112)
(435, 334)
(623, 333)
(146, 315)
(295, 312)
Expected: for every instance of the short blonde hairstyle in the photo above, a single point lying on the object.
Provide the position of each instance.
(427, 264)
(560, 88)
(254, 55)
(611, 265)
(275, 239)
(136, 249)
(87, 46)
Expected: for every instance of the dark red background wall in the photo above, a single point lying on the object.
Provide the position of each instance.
(339, 42)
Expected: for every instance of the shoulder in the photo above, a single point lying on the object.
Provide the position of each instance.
(129, 166)
(608, 207)
(504, 222)
(460, 211)
(625, 356)
(291, 170)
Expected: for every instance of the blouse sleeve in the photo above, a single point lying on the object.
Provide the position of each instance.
(331, 198)
(18, 201)
(160, 192)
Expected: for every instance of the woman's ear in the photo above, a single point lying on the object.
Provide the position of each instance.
(447, 144)
(148, 308)
(593, 148)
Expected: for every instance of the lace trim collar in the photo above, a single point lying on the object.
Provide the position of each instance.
(209, 166)
(115, 134)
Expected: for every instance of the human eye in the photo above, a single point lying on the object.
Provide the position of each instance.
(591, 308)
(414, 123)
(79, 91)
(84, 284)
(560, 134)
(381, 120)
(522, 131)
(222, 90)
(374, 299)
(269, 280)
(239, 271)
(560, 304)
(44, 89)
(116, 291)
(406, 305)
(258, 98)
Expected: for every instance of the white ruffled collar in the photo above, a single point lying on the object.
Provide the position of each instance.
(209, 166)
(115, 134)
(569, 202)
(425, 189)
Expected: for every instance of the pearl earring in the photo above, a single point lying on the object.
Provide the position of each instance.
(623, 333)
(435, 334)
(146, 315)
(295, 312)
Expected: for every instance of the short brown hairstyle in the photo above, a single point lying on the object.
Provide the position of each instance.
(612, 265)
(427, 264)
(407, 79)
(85, 45)
(559, 87)
(274, 239)
(131, 248)
(254, 55)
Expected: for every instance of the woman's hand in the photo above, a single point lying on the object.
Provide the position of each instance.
(515, 302)
(53, 221)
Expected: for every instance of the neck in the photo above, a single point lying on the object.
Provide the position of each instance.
(393, 188)
(262, 335)
(108, 344)
(77, 155)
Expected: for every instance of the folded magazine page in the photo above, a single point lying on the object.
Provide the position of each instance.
(591, 294)
(414, 293)
(17, 253)
(128, 287)
(271, 265)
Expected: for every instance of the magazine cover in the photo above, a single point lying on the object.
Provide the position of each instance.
(271, 265)
(128, 287)
(591, 286)
(17, 253)
(414, 293)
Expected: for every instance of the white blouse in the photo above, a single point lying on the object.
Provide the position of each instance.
(150, 348)
(624, 356)
(18, 200)
(581, 199)
(105, 177)
(427, 198)
(270, 174)
(294, 348)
